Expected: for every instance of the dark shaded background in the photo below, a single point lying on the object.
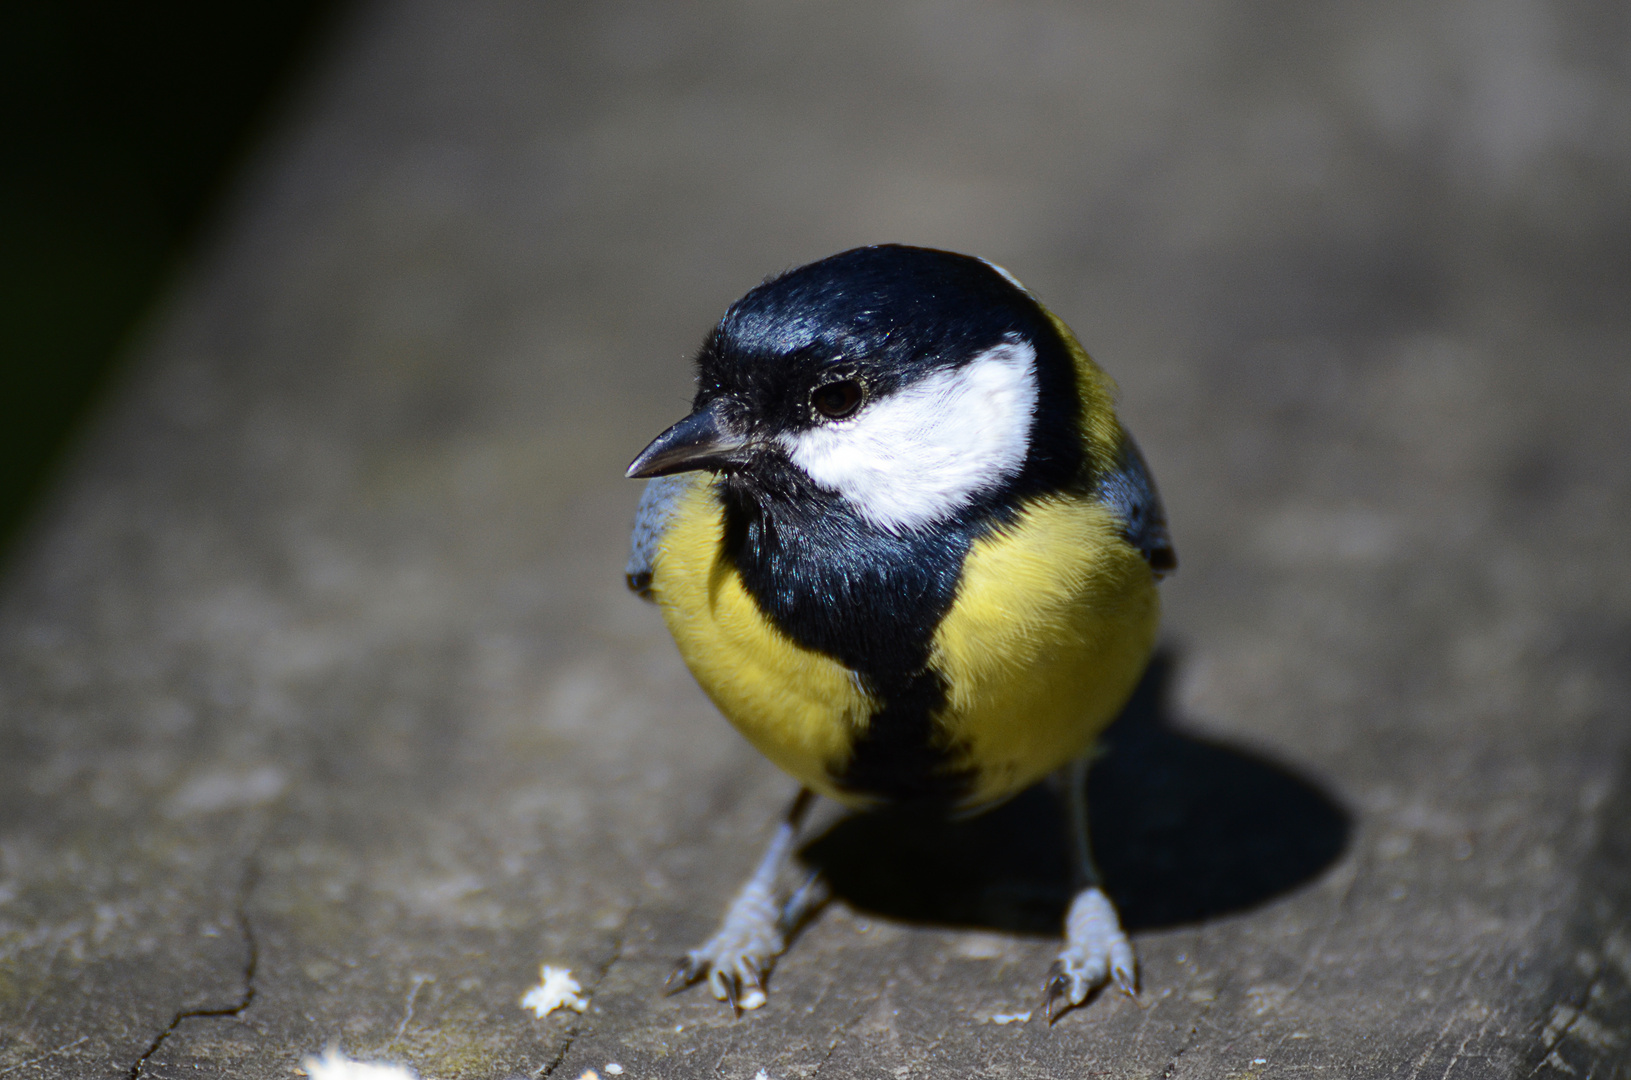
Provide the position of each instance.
(119, 126)
(1184, 830)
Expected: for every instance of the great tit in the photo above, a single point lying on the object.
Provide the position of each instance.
(904, 544)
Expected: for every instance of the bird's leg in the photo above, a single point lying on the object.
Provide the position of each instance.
(757, 924)
(1096, 949)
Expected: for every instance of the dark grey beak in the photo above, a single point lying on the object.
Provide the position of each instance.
(700, 441)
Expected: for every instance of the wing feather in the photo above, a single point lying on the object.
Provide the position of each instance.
(651, 520)
(1129, 491)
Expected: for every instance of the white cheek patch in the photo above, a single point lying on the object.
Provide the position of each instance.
(931, 448)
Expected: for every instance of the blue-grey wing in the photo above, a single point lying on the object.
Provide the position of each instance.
(1129, 491)
(657, 505)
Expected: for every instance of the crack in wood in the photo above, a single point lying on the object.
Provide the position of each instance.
(572, 1032)
(246, 997)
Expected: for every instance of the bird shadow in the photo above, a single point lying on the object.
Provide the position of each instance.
(1184, 829)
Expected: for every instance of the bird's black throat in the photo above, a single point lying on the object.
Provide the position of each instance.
(871, 599)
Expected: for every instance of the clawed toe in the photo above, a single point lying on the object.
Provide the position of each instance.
(1127, 980)
(1096, 952)
(687, 970)
(1056, 994)
(736, 979)
(1065, 988)
(740, 985)
(735, 963)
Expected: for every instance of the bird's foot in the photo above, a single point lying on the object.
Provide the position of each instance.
(737, 959)
(1096, 951)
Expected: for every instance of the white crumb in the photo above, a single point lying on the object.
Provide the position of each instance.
(1010, 1018)
(556, 989)
(614, 1068)
(334, 1065)
(761, 1075)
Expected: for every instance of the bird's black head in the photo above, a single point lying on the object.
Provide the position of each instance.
(906, 381)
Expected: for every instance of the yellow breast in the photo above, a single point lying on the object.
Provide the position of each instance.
(1053, 624)
(1054, 619)
(800, 708)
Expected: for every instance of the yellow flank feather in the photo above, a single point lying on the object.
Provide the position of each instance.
(1054, 621)
(1101, 431)
(800, 708)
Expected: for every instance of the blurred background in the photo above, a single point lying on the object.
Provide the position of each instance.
(1374, 165)
(121, 125)
(329, 329)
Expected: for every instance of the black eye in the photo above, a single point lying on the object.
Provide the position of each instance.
(837, 400)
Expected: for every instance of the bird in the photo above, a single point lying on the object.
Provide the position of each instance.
(907, 548)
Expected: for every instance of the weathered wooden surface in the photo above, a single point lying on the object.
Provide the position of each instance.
(324, 716)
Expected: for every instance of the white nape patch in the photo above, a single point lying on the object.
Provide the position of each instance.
(1011, 279)
(930, 448)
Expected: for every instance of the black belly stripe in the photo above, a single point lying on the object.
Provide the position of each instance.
(900, 757)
